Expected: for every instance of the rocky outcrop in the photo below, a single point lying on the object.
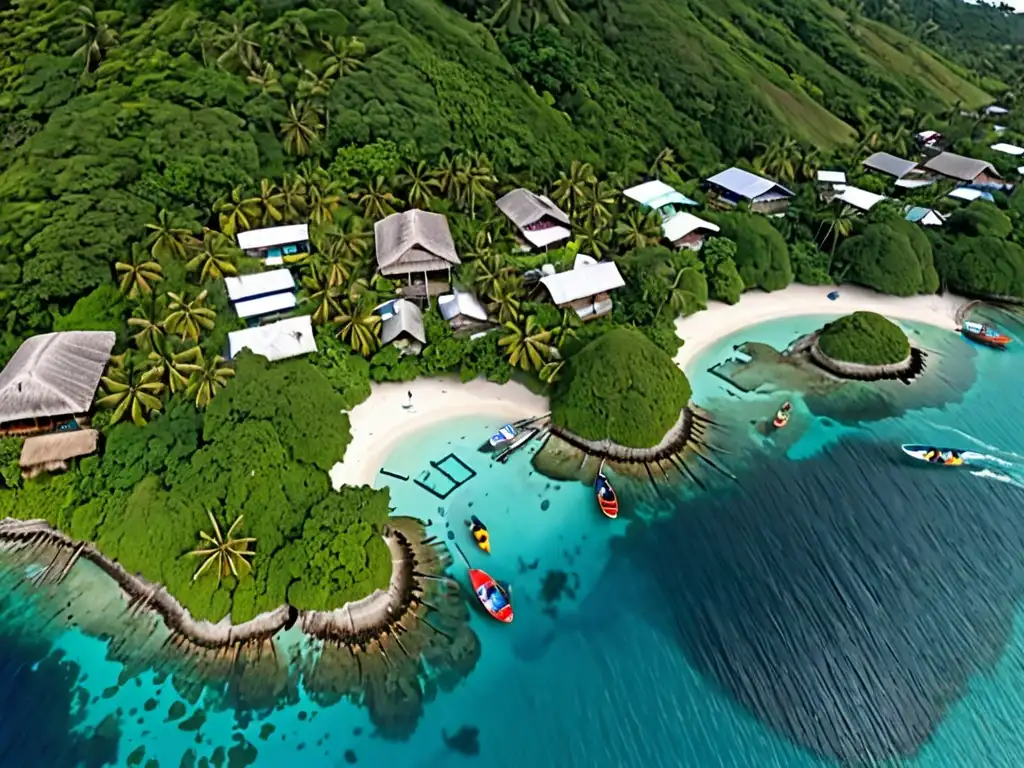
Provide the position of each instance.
(905, 370)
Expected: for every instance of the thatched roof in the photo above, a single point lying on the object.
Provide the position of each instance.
(959, 167)
(414, 241)
(58, 447)
(524, 208)
(55, 374)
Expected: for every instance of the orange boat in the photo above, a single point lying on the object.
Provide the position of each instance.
(985, 334)
(492, 596)
(606, 498)
(782, 415)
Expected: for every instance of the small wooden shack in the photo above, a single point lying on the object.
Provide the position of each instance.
(51, 453)
(418, 246)
(540, 222)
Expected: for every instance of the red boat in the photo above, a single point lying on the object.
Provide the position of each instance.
(606, 498)
(782, 416)
(492, 597)
(985, 334)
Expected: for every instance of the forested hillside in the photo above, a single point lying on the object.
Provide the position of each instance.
(114, 111)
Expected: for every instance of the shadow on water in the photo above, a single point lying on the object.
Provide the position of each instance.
(37, 701)
(843, 600)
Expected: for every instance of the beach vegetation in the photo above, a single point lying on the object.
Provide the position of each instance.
(892, 257)
(983, 266)
(620, 387)
(229, 555)
(724, 281)
(980, 219)
(864, 338)
(762, 254)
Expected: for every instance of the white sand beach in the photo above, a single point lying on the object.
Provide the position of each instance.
(703, 329)
(390, 415)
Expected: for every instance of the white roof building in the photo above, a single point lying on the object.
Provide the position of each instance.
(682, 224)
(270, 237)
(1008, 149)
(259, 284)
(860, 198)
(275, 341)
(969, 194)
(461, 304)
(995, 109)
(265, 305)
(831, 177)
(586, 278)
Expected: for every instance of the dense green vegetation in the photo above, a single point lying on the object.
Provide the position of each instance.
(259, 450)
(622, 388)
(136, 140)
(866, 338)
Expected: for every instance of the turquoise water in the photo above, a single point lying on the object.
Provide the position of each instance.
(645, 641)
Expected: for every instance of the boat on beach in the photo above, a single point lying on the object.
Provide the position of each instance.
(945, 457)
(985, 334)
(502, 437)
(606, 498)
(492, 595)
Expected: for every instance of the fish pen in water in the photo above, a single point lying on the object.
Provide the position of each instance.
(453, 469)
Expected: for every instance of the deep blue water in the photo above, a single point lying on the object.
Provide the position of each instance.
(836, 603)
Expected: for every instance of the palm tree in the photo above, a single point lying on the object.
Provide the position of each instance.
(486, 272)
(662, 162)
(527, 346)
(566, 329)
(638, 230)
(266, 80)
(341, 56)
(95, 38)
(322, 292)
(598, 199)
(479, 180)
(129, 391)
(780, 159)
(505, 298)
(323, 199)
(418, 185)
(235, 213)
(188, 318)
(300, 129)
(173, 368)
(228, 554)
(677, 298)
(810, 164)
(593, 239)
(138, 275)
(293, 200)
(210, 378)
(166, 240)
(215, 257)
(446, 176)
(376, 199)
(571, 187)
(146, 316)
(239, 46)
(840, 219)
(510, 12)
(269, 202)
(314, 89)
(358, 326)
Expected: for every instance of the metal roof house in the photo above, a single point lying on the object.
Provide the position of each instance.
(51, 381)
(734, 185)
(402, 325)
(658, 196)
(276, 245)
(275, 341)
(883, 162)
(416, 243)
(860, 198)
(684, 230)
(51, 453)
(926, 217)
(585, 287)
(1008, 149)
(262, 294)
(540, 222)
(462, 310)
(830, 184)
(962, 168)
(970, 194)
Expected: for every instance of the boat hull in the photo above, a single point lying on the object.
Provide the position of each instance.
(609, 507)
(982, 334)
(481, 580)
(920, 452)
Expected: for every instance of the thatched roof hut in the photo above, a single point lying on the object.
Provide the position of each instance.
(414, 241)
(55, 374)
(50, 453)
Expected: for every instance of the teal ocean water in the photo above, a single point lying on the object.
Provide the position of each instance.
(834, 604)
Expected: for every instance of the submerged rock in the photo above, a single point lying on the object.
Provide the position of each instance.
(465, 741)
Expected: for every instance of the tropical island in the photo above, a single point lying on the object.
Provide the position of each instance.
(234, 238)
(864, 338)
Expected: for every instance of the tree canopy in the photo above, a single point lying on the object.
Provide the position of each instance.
(983, 266)
(865, 338)
(892, 257)
(622, 388)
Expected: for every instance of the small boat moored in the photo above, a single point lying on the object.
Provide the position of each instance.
(943, 457)
(606, 498)
(493, 597)
(985, 334)
(480, 534)
(502, 437)
(782, 415)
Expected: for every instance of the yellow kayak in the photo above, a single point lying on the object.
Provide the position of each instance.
(480, 534)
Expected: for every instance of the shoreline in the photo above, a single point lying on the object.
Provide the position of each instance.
(703, 329)
(384, 419)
